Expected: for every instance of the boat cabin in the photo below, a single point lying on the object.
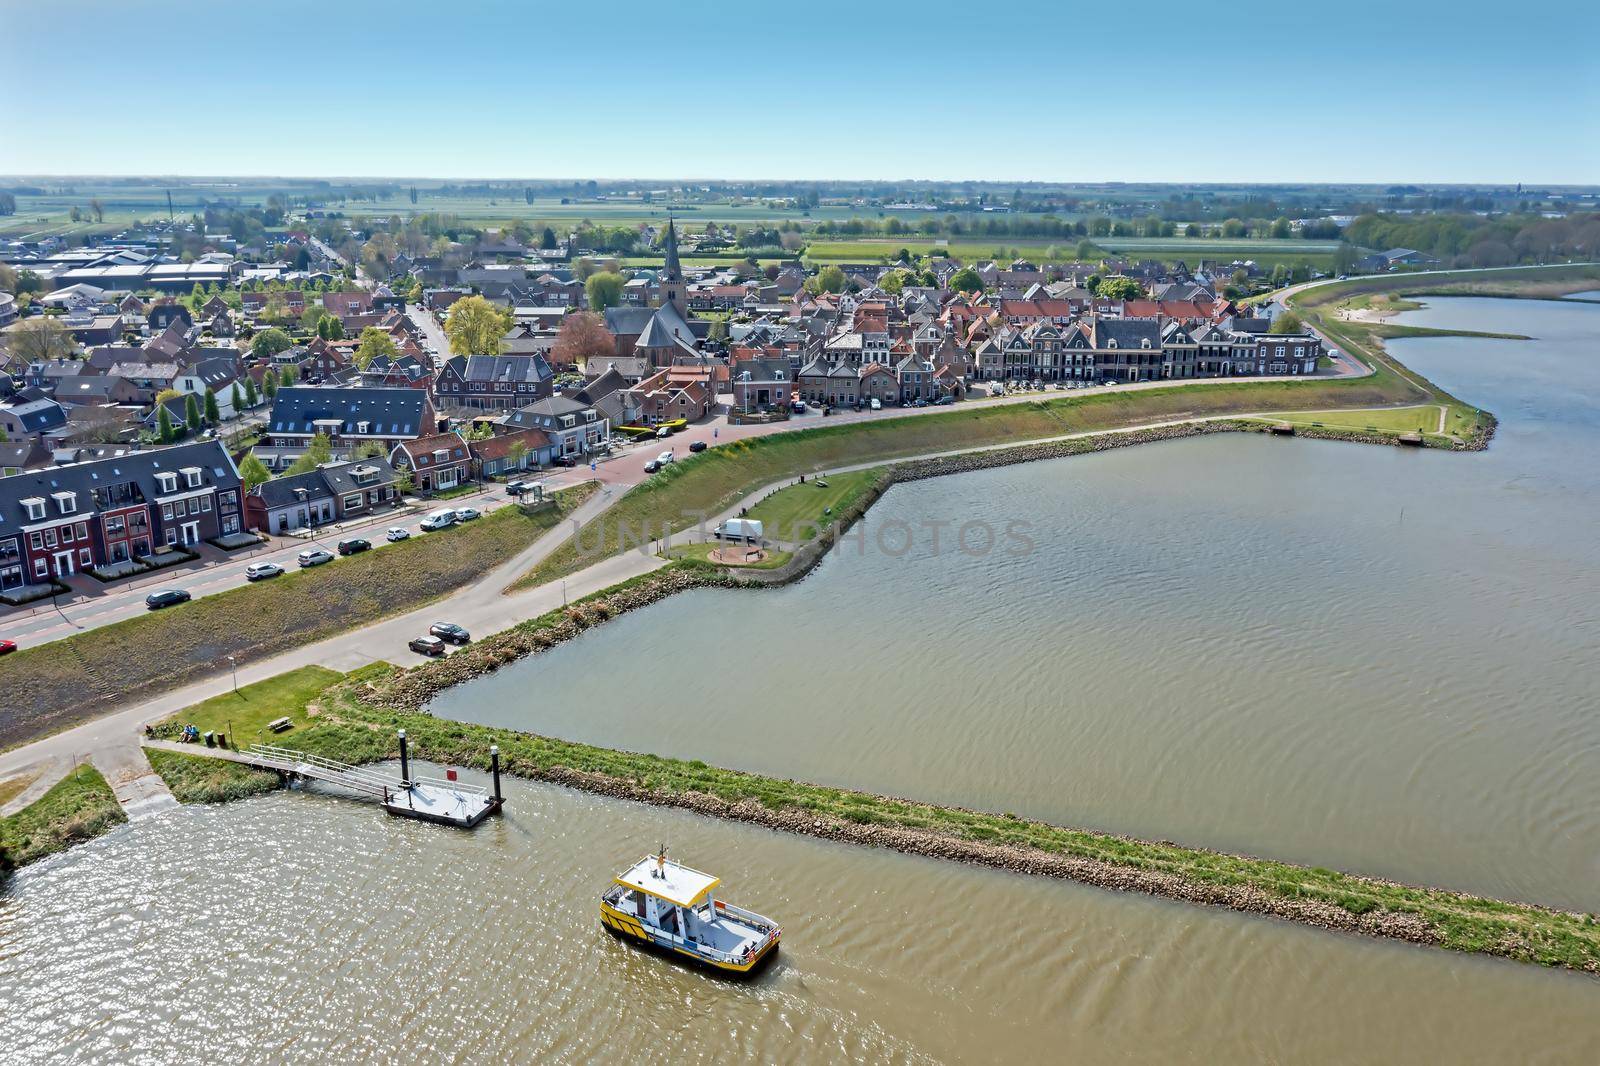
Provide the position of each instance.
(670, 906)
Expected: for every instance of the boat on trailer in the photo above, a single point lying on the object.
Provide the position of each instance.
(665, 905)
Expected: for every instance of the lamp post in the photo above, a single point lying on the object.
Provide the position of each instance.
(233, 665)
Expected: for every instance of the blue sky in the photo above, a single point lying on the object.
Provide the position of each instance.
(1155, 90)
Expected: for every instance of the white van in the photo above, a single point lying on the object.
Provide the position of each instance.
(443, 518)
(744, 529)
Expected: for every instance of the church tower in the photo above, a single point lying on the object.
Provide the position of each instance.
(672, 273)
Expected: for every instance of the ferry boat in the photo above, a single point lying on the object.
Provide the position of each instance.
(665, 905)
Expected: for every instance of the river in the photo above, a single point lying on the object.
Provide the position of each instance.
(1370, 658)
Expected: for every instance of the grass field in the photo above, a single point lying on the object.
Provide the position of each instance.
(1424, 419)
(799, 512)
(1318, 254)
(701, 553)
(244, 715)
(80, 807)
(56, 685)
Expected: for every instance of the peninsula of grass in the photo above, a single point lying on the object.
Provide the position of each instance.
(357, 718)
(701, 553)
(197, 779)
(799, 512)
(57, 685)
(80, 807)
(1398, 420)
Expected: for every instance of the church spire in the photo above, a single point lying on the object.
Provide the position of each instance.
(673, 271)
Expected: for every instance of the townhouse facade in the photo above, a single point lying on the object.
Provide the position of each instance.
(63, 520)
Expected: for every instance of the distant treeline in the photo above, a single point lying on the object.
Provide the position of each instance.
(1475, 241)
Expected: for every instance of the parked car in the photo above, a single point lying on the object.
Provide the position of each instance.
(426, 645)
(7, 647)
(663, 433)
(945, 400)
(397, 533)
(565, 460)
(666, 457)
(876, 404)
(652, 466)
(261, 571)
(440, 519)
(314, 557)
(519, 488)
(697, 446)
(165, 598)
(467, 514)
(450, 633)
(354, 545)
(798, 407)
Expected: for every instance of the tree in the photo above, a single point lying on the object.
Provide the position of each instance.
(270, 381)
(191, 412)
(250, 396)
(603, 290)
(236, 399)
(517, 452)
(1288, 322)
(213, 409)
(547, 240)
(319, 451)
(583, 337)
(164, 431)
(8, 278)
(1117, 287)
(286, 376)
(1282, 228)
(582, 267)
(253, 472)
(375, 342)
(966, 280)
(270, 342)
(893, 282)
(476, 326)
(38, 340)
(831, 278)
(1234, 228)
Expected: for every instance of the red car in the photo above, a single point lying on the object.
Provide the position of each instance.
(7, 647)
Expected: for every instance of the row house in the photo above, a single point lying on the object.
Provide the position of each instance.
(574, 428)
(333, 492)
(493, 382)
(352, 418)
(762, 383)
(59, 521)
(254, 303)
(679, 391)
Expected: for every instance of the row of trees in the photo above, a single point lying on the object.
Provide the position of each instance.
(1474, 241)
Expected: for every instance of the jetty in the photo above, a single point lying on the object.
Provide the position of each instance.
(443, 801)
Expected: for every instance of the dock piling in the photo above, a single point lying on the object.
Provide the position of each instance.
(494, 765)
(405, 762)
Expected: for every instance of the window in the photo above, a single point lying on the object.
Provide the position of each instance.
(67, 502)
(40, 568)
(166, 511)
(34, 507)
(193, 476)
(83, 531)
(66, 535)
(229, 499)
(84, 557)
(205, 503)
(167, 481)
(37, 540)
(49, 538)
(115, 526)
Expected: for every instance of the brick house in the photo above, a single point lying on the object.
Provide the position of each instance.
(59, 521)
(493, 382)
(436, 463)
(334, 492)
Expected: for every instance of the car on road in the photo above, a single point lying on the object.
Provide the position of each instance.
(450, 633)
(565, 460)
(520, 488)
(261, 571)
(397, 533)
(436, 520)
(426, 645)
(7, 647)
(944, 401)
(652, 466)
(165, 598)
(798, 407)
(467, 514)
(697, 446)
(666, 457)
(876, 404)
(354, 545)
(663, 433)
(314, 557)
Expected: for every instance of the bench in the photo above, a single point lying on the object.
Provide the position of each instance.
(280, 725)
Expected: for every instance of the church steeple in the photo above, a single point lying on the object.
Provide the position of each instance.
(673, 271)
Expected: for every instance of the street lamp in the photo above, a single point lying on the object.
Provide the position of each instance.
(233, 665)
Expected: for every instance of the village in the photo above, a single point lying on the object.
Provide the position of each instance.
(160, 410)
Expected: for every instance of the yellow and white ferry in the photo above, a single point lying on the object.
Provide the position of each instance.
(665, 905)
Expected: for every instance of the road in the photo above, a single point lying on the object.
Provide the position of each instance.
(433, 336)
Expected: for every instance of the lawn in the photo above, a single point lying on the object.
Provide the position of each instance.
(701, 553)
(799, 512)
(1423, 419)
(243, 715)
(56, 685)
(80, 807)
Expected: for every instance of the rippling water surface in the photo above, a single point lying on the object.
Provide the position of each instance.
(1359, 657)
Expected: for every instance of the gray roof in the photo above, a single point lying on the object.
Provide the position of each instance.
(394, 412)
(1127, 332)
(124, 477)
(329, 479)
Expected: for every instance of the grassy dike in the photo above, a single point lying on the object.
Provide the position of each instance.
(57, 685)
(80, 807)
(355, 719)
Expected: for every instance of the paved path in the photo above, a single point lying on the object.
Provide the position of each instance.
(139, 789)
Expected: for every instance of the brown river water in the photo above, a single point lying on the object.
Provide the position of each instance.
(1357, 657)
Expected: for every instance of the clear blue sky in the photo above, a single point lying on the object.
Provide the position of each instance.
(1430, 91)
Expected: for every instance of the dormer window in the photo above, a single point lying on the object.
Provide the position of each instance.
(191, 476)
(67, 502)
(35, 508)
(167, 481)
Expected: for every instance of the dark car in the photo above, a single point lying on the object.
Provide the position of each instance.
(944, 401)
(165, 598)
(652, 466)
(565, 460)
(426, 645)
(697, 446)
(450, 633)
(354, 545)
